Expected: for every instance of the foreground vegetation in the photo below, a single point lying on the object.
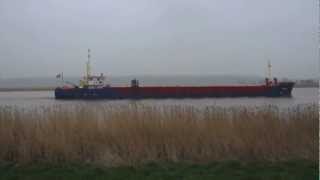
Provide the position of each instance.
(178, 142)
(293, 170)
(131, 135)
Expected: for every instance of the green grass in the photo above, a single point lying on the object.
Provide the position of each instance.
(293, 170)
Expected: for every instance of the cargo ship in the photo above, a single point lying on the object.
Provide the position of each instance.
(94, 87)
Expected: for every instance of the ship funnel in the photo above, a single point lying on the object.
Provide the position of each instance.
(134, 83)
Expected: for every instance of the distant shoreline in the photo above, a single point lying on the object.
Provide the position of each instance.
(52, 88)
(26, 89)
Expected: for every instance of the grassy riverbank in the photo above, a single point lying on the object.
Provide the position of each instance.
(293, 170)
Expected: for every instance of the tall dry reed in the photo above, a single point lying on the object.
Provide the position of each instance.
(135, 134)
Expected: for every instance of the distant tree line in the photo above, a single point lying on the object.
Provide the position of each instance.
(307, 83)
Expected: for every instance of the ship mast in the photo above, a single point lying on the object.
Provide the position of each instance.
(269, 70)
(88, 68)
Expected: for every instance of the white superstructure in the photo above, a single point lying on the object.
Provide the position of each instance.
(92, 81)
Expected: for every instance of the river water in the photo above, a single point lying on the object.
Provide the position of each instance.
(46, 98)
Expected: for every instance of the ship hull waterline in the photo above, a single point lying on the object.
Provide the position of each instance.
(158, 92)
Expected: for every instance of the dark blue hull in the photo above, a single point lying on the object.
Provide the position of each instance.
(280, 90)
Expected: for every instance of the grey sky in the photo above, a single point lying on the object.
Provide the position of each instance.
(42, 38)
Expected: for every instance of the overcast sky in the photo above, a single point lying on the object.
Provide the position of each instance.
(130, 37)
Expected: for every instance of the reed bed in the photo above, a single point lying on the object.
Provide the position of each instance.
(137, 134)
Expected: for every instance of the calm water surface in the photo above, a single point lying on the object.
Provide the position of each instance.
(46, 98)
